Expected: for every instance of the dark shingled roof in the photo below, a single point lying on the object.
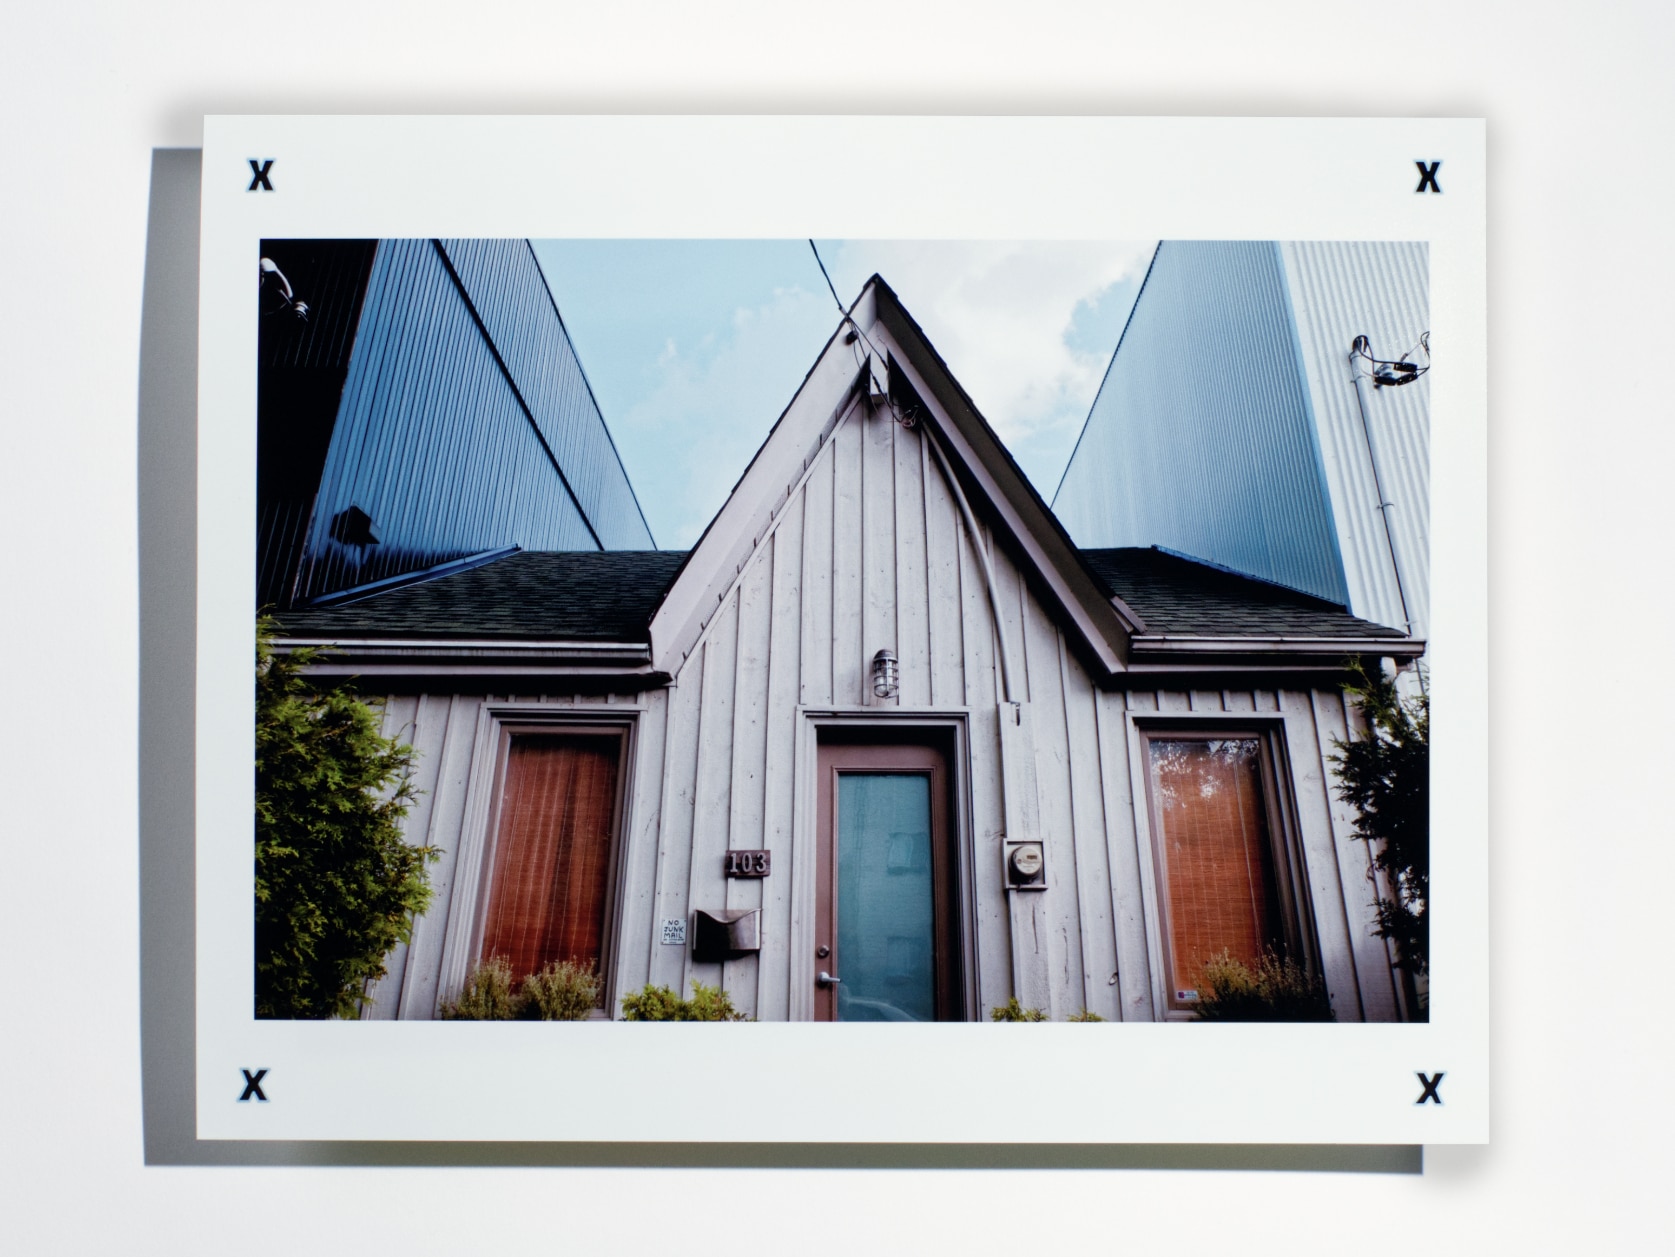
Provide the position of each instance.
(570, 596)
(1178, 596)
(610, 596)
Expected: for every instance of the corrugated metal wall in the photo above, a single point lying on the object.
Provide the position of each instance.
(1201, 438)
(302, 364)
(505, 284)
(1341, 290)
(450, 447)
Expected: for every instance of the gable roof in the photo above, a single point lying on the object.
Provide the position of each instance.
(878, 348)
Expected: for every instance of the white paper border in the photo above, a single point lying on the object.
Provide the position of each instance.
(745, 177)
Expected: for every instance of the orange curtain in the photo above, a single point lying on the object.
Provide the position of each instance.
(552, 854)
(1217, 858)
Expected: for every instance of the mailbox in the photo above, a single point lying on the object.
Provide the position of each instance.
(726, 934)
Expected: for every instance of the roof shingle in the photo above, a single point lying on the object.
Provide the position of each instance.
(1178, 596)
(569, 595)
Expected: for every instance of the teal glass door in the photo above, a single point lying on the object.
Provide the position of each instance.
(887, 942)
(886, 901)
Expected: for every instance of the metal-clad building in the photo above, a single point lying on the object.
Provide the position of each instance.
(1229, 428)
(427, 408)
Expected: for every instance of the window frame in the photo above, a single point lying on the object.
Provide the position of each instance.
(1297, 923)
(468, 895)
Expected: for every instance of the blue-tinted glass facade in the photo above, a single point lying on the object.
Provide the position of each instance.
(459, 420)
(1201, 439)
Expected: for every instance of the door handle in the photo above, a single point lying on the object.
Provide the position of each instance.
(825, 979)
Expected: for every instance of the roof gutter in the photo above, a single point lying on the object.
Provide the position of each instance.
(1163, 645)
(622, 665)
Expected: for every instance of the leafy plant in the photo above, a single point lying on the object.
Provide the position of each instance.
(1387, 776)
(1085, 1015)
(1011, 1010)
(336, 886)
(561, 991)
(487, 994)
(1274, 989)
(660, 1003)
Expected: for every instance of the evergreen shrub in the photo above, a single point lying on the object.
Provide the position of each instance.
(336, 886)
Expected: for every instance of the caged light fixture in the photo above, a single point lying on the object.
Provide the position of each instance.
(886, 676)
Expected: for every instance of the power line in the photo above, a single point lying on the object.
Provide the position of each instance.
(829, 283)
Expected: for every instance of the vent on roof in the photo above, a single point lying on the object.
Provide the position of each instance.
(353, 527)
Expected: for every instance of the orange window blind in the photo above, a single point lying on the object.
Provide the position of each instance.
(552, 853)
(1216, 852)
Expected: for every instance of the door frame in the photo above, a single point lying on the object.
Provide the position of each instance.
(949, 730)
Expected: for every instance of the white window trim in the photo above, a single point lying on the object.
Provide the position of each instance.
(496, 725)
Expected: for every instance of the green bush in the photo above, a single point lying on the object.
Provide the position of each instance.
(562, 991)
(1274, 990)
(1011, 1010)
(487, 994)
(336, 887)
(660, 1003)
(1085, 1015)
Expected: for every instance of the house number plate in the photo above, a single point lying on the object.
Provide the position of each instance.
(747, 864)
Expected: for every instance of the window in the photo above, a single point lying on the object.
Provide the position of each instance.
(1222, 859)
(550, 873)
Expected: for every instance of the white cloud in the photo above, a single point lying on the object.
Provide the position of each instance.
(999, 313)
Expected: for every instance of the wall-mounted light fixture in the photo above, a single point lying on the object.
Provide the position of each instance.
(886, 676)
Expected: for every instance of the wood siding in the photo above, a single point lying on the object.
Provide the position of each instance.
(866, 552)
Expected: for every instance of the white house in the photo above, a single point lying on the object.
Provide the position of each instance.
(884, 744)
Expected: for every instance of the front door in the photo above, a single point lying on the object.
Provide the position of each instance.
(886, 929)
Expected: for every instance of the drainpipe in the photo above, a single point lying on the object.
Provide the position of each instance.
(1357, 350)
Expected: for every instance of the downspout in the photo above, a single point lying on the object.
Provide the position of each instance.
(1360, 378)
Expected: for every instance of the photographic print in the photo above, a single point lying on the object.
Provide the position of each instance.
(854, 633)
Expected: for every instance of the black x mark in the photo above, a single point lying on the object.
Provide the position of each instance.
(1427, 176)
(253, 1085)
(259, 175)
(1430, 1084)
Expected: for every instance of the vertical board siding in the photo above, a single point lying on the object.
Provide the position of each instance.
(1309, 778)
(1201, 438)
(1090, 832)
(1381, 290)
(746, 824)
(712, 791)
(637, 926)
(778, 781)
(1122, 838)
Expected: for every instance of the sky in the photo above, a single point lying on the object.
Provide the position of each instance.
(695, 347)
